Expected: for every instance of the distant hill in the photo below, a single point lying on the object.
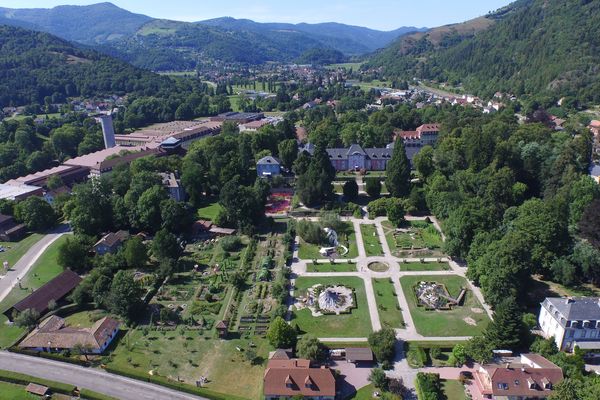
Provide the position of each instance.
(34, 65)
(528, 47)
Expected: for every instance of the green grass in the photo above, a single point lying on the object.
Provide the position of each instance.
(191, 355)
(354, 66)
(355, 324)
(44, 269)
(45, 116)
(210, 212)
(14, 392)
(371, 240)
(387, 304)
(446, 322)
(364, 393)
(15, 250)
(423, 235)
(453, 390)
(309, 251)
(328, 267)
(425, 266)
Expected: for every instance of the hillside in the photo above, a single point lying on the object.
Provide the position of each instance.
(529, 47)
(97, 23)
(34, 65)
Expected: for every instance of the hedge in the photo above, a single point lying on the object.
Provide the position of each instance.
(428, 386)
(49, 356)
(22, 379)
(91, 395)
(162, 381)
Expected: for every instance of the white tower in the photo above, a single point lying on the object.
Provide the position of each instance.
(108, 130)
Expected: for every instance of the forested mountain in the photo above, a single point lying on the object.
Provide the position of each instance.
(534, 46)
(34, 65)
(97, 23)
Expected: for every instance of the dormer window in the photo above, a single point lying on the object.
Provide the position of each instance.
(531, 383)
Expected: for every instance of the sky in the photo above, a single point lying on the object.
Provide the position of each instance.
(376, 14)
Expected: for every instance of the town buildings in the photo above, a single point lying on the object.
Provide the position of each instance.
(172, 184)
(414, 141)
(571, 322)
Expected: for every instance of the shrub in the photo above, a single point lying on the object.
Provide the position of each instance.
(231, 243)
(428, 386)
(350, 190)
(373, 187)
(435, 352)
(377, 208)
(310, 232)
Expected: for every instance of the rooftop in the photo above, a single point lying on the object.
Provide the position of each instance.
(576, 308)
(295, 377)
(12, 192)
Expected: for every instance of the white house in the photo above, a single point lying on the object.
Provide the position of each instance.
(572, 322)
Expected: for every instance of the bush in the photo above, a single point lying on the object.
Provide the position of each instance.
(378, 208)
(310, 232)
(373, 187)
(435, 353)
(428, 386)
(231, 243)
(383, 344)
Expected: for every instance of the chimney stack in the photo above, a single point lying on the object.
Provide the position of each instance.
(108, 130)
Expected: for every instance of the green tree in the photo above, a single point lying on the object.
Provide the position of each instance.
(280, 334)
(395, 211)
(165, 246)
(54, 182)
(398, 171)
(148, 209)
(135, 252)
(507, 331)
(383, 344)
(350, 190)
(373, 187)
(288, 152)
(125, 296)
(378, 378)
(479, 349)
(310, 348)
(27, 318)
(424, 162)
(314, 186)
(176, 216)
(36, 213)
(73, 253)
(459, 355)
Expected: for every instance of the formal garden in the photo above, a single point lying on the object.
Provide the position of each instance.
(324, 239)
(371, 240)
(465, 319)
(414, 239)
(424, 266)
(388, 307)
(331, 267)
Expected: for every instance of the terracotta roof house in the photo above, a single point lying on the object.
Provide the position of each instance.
(287, 378)
(10, 230)
(111, 242)
(55, 290)
(414, 141)
(53, 335)
(534, 377)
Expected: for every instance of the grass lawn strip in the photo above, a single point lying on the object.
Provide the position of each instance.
(387, 303)
(445, 322)
(364, 393)
(15, 250)
(355, 324)
(371, 240)
(329, 267)
(210, 212)
(453, 390)
(424, 266)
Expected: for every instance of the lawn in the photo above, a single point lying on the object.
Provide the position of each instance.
(347, 237)
(453, 390)
(187, 355)
(329, 267)
(387, 304)
(355, 324)
(445, 322)
(424, 266)
(44, 269)
(371, 240)
(418, 235)
(364, 393)
(15, 250)
(209, 212)
(14, 392)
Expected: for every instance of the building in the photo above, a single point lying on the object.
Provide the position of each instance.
(18, 192)
(268, 166)
(414, 141)
(172, 183)
(69, 174)
(238, 117)
(52, 335)
(111, 242)
(356, 158)
(103, 161)
(533, 377)
(359, 355)
(221, 328)
(55, 290)
(286, 378)
(595, 173)
(182, 133)
(571, 322)
(254, 126)
(10, 230)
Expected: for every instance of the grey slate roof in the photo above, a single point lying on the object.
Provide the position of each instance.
(371, 153)
(269, 160)
(356, 149)
(578, 308)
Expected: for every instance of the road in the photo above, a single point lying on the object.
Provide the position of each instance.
(88, 378)
(21, 267)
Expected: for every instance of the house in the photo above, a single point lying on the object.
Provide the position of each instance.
(414, 141)
(221, 328)
(201, 226)
(571, 322)
(10, 230)
(286, 378)
(53, 335)
(356, 158)
(54, 290)
(111, 242)
(268, 166)
(359, 355)
(254, 126)
(533, 377)
(172, 183)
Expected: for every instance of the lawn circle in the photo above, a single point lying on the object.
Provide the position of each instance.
(378, 266)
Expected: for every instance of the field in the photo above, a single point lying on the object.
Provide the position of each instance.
(347, 237)
(416, 238)
(387, 304)
(209, 212)
(355, 324)
(329, 267)
(41, 272)
(15, 250)
(424, 266)
(446, 322)
(371, 240)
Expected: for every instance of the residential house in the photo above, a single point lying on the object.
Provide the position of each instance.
(55, 290)
(10, 230)
(172, 183)
(356, 158)
(532, 377)
(286, 378)
(111, 242)
(268, 166)
(414, 141)
(571, 322)
(52, 335)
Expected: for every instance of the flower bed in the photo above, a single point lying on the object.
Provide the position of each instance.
(279, 203)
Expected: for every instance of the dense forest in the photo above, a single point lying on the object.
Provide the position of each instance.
(534, 46)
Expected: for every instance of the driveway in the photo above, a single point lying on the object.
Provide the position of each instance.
(354, 377)
(89, 378)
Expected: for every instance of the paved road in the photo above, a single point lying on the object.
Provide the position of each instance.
(88, 378)
(21, 267)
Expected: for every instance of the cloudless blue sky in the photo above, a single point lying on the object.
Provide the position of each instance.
(377, 14)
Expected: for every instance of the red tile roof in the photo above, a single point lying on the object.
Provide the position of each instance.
(55, 290)
(297, 378)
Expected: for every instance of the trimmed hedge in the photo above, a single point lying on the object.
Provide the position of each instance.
(162, 381)
(91, 395)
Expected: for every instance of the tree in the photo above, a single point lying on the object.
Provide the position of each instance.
(73, 254)
(350, 190)
(166, 246)
(310, 348)
(398, 171)
(125, 296)
(27, 318)
(544, 347)
(568, 389)
(135, 252)
(588, 224)
(378, 378)
(373, 187)
(36, 213)
(90, 209)
(395, 211)
(148, 209)
(314, 186)
(54, 182)
(424, 163)
(383, 344)
(479, 349)
(100, 290)
(288, 152)
(507, 331)
(280, 334)
(241, 204)
(459, 355)
(176, 216)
